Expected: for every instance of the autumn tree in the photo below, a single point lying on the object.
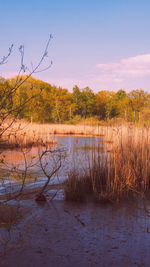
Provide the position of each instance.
(84, 101)
(10, 88)
(138, 99)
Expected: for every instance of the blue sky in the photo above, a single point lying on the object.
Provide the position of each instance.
(103, 44)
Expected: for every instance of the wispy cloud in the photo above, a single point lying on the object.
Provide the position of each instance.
(127, 73)
(128, 67)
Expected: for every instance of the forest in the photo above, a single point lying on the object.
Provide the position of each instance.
(44, 103)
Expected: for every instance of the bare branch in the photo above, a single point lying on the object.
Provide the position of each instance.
(49, 173)
(5, 58)
(9, 91)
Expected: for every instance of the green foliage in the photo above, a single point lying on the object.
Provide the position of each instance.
(45, 103)
(83, 101)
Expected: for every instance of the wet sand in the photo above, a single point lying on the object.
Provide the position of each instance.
(59, 233)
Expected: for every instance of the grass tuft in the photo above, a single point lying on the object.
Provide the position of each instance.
(111, 176)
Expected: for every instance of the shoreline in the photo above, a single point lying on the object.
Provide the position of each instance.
(30, 193)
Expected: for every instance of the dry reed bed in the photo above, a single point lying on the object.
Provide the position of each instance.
(23, 134)
(28, 133)
(119, 174)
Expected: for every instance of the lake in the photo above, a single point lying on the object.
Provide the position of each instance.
(76, 151)
(112, 235)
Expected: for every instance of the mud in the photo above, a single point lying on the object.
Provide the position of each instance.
(69, 234)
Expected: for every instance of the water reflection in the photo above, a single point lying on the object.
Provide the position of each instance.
(78, 152)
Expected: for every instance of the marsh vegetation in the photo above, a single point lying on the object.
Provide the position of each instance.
(113, 166)
(33, 117)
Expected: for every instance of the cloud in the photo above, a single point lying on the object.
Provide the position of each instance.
(132, 67)
(127, 73)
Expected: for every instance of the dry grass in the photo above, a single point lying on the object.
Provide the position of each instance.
(115, 175)
(77, 186)
(119, 173)
(23, 134)
(28, 134)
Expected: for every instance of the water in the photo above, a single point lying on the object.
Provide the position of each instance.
(120, 231)
(75, 152)
(112, 235)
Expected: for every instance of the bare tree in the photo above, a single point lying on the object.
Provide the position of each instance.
(6, 96)
(6, 109)
(50, 160)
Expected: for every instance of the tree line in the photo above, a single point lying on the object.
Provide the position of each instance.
(45, 103)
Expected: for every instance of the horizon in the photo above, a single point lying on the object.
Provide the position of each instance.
(102, 45)
(71, 89)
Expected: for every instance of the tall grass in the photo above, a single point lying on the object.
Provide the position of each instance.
(121, 173)
(23, 132)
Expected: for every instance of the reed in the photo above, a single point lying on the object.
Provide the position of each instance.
(24, 132)
(77, 186)
(122, 172)
(24, 135)
(29, 134)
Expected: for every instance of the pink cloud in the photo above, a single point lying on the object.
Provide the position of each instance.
(127, 73)
(128, 67)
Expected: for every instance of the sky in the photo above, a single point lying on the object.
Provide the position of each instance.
(102, 44)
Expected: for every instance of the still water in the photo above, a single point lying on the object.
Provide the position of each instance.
(113, 235)
(75, 153)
